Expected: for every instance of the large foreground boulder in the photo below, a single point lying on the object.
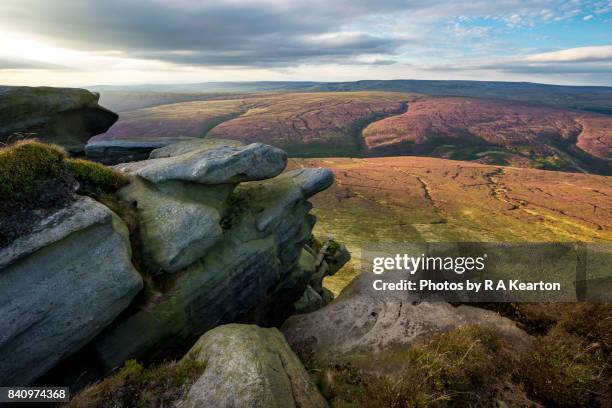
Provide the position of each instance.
(250, 366)
(64, 116)
(60, 286)
(362, 320)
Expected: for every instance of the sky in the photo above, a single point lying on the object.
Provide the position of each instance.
(116, 42)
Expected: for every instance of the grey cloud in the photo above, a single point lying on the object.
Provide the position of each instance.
(223, 32)
(208, 33)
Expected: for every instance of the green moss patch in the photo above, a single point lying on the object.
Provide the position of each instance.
(37, 179)
(25, 164)
(95, 175)
(136, 386)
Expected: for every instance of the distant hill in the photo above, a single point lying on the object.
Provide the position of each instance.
(589, 98)
(373, 123)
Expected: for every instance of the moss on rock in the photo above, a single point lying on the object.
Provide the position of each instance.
(96, 174)
(25, 164)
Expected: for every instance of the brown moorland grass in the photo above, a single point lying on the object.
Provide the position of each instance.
(136, 386)
(417, 199)
(313, 124)
(305, 124)
(464, 367)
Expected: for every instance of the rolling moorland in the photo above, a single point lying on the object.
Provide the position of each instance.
(490, 140)
(588, 98)
(370, 124)
(415, 199)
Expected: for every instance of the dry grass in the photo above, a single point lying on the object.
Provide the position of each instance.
(135, 386)
(464, 367)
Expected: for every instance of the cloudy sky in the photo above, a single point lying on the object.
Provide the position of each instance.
(83, 42)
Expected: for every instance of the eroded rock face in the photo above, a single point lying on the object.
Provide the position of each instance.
(64, 116)
(362, 320)
(60, 286)
(250, 366)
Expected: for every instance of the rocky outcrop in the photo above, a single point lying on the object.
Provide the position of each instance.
(64, 116)
(362, 320)
(250, 366)
(225, 251)
(126, 149)
(218, 235)
(60, 286)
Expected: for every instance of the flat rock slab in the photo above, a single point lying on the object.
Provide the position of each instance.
(125, 150)
(221, 165)
(192, 145)
(60, 286)
(250, 366)
(366, 321)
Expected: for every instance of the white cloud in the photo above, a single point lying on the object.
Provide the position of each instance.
(580, 54)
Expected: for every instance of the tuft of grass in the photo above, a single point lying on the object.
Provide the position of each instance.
(25, 164)
(136, 386)
(333, 247)
(462, 367)
(95, 174)
(562, 371)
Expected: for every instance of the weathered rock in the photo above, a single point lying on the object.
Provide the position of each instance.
(178, 223)
(362, 320)
(249, 366)
(60, 286)
(253, 274)
(221, 165)
(124, 150)
(309, 302)
(192, 145)
(316, 296)
(65, 116)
